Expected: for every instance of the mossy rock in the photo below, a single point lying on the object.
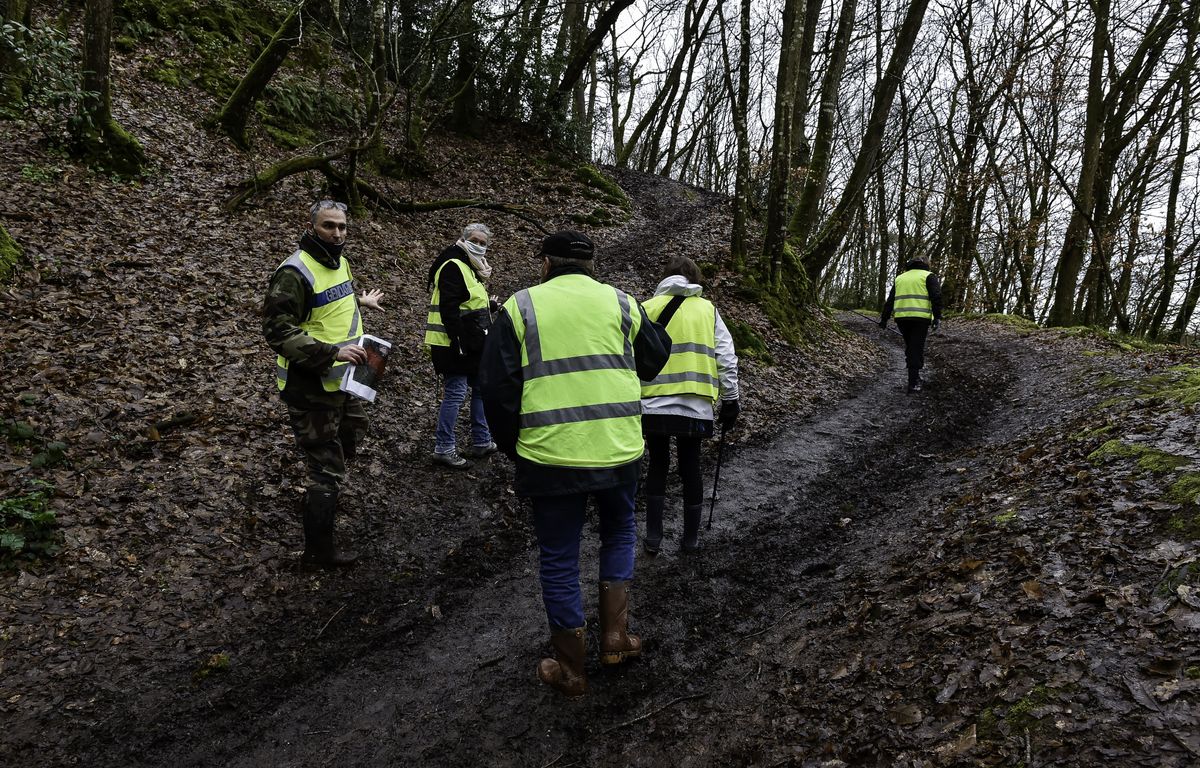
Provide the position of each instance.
(748, 343)
(10, 254)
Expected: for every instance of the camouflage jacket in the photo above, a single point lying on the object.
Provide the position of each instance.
(284, 309)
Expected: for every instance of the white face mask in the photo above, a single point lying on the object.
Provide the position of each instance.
(475, 253)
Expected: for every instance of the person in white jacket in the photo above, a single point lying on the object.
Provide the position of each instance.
(679, 402)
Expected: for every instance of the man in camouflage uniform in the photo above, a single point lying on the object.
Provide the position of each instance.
(311, 318)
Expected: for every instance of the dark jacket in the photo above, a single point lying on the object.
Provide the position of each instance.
(466, 331)
(501, 383)
(932, 284)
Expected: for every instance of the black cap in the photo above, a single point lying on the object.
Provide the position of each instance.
(917, 262)
(568, 244)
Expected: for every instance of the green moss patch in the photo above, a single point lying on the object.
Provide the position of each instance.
(748, 343)
(1179, 384)
(602, 187)
(10, 254)
(1013, 321)
(1149, 459)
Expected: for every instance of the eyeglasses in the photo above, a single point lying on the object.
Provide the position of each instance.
(322, 205)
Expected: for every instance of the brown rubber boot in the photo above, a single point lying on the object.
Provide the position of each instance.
(616, 644)
(566, 671)
(320, 551)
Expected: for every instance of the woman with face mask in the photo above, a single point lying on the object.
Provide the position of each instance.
(457, 324)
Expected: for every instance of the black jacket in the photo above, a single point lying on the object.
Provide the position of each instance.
(501, 384)
(932, 284)
(466, 331)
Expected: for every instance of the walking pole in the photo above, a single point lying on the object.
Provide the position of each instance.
(873, 320)
(720, 457)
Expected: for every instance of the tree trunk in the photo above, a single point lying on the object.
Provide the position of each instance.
(1171, 227)
(740, 97)
(100, 139)
(826, 243)
(775, 230)
(803, 220)
(235, 113)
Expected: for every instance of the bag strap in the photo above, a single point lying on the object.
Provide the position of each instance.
(669, 310)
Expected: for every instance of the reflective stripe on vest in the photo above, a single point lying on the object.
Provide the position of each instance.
(332, 312)
(477, 298)
(912, 295)
(580, 403)
(692, 367)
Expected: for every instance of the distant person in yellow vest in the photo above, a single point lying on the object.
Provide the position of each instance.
(310, 318)
(679, 402)
(459, 317)
(916, 302)
(561, 380)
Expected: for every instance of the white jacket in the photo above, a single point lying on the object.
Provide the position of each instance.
(694, 406)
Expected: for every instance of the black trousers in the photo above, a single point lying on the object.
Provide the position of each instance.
(658, 447)
(914, 331)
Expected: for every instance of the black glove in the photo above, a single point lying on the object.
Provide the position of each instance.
(729, 413)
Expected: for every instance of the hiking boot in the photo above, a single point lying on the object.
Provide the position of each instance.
(479, 451)
(451, 459)
(915, 386)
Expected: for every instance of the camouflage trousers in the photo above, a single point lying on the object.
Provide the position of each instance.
(328, 428)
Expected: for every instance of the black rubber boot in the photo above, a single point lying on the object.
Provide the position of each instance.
(691, 528)
(914, 380)
(319, 548)
(654, 517)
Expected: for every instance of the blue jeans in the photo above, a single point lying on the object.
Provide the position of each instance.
(455, 393)
(558, 521)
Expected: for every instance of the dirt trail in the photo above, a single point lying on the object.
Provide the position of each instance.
(797, 518)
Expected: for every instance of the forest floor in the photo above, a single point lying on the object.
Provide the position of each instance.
(1000, 570)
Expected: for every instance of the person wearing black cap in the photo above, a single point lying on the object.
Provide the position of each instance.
(561, 383)
(916, 302)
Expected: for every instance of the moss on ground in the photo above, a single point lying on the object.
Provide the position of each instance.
(1149, 459)
(603, 188)
(748, 343)
(10, 254)
(1179, 384)
(1013, 321)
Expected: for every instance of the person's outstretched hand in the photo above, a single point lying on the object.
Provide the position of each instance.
(371, 299)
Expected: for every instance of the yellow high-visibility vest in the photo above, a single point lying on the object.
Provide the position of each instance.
(333, 312)
(912, 296)
(435, 330)
(692, 367)
(581, 397)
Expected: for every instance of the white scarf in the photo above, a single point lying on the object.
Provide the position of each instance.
(475, 253)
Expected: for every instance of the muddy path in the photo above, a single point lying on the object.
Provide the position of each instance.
(449, 680)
